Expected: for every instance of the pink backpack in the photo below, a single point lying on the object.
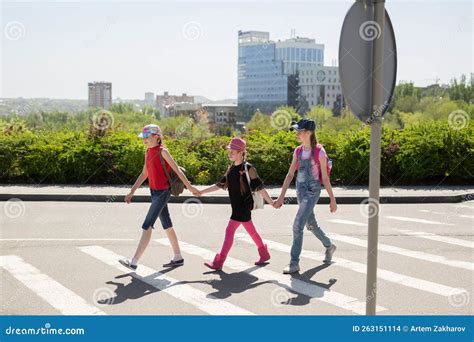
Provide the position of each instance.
(299, 151)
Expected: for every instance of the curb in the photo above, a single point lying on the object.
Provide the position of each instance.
(225, 199)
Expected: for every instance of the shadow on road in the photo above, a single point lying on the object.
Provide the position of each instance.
(225, 287)
(135, 289)
(229, 283)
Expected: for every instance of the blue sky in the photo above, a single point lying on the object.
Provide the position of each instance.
(146, 46)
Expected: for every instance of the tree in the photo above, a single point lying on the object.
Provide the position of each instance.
(259, 122)
(122, 108)
(295, 96)
(150, 110)
(462, 90)
(320, 115)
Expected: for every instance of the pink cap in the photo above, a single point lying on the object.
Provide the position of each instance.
(237, 144)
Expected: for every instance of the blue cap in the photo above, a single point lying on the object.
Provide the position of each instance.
(303, 124)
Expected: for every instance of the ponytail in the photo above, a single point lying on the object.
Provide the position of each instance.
(243, 177)
(313, 140)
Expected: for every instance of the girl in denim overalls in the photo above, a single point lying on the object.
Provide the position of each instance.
(311, 170)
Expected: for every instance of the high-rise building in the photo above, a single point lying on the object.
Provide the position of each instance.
(320, 85)
(100, 94)
(261, 82)
(269, 73)
(299, 52)
(149, 98)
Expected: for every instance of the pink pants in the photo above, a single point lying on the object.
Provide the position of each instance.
(230, 232)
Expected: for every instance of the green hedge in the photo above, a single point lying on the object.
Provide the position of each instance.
(429, 154)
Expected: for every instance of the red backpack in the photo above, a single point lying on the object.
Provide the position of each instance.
(299, 151)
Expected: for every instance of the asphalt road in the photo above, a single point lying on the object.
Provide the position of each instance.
(61, 258)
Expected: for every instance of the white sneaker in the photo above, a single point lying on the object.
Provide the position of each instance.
(291, 268)
(329, 252)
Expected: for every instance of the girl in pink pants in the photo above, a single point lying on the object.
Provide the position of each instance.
(241, 200)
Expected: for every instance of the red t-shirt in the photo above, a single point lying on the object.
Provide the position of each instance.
(157, 179)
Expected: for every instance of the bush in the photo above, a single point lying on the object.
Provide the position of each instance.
(420, 153)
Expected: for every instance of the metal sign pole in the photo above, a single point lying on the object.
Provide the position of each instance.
(375, 142)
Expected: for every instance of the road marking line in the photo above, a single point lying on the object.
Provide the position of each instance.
(440, 238)
(409, 219)
(56, 294)
(431, 212)
(429, 236)
(465, 206)
(164, 283)
(314, 291)
(390, 276)
(46, 239)
(406, 252)
(348, 222)
(467, 216)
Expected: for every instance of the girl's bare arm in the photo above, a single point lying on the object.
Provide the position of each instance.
(212, 188)
(169, 159)
(289, 177)
(141, 178)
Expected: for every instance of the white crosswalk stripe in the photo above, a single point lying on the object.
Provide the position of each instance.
(440, 238)
(55, 294)
(415, 220)
(164, 283)
(423, 235)
(466, 206)
(314, 291)
(358, 267)
(352, 223)
(406, 252)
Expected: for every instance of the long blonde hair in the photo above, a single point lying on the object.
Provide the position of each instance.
(243, 179)
(313, 140)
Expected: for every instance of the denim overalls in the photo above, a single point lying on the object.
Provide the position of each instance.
(308, 190)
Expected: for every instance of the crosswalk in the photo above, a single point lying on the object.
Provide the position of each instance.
(56, 294)
(354, 266)
(184, 289)
(313, 291)
(210, 305)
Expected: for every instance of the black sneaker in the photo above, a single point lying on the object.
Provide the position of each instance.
(128, 264)
(173, 263)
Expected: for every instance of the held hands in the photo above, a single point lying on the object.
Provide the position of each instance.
(195, 191)
(278, 203)
(128, 197)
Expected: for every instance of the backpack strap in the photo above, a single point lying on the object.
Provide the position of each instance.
(164, 167)
(316, 153)
(298, 152)
(247, 175)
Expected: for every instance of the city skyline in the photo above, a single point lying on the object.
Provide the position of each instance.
(192, 47)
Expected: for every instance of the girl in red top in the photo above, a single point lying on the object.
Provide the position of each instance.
(160, 194)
